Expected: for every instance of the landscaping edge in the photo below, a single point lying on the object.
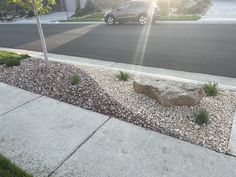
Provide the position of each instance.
(232, 140)
(111, 67)
(198, 78)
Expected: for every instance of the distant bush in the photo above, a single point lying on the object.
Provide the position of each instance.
(123, 76)
(183, 7)
(165, 7)
(88, 9)
(199, 8)
(202, 117)
(75, 79)
(80, 12)
(12, 62)
(89, 6)
(211, 88)
(30, 13)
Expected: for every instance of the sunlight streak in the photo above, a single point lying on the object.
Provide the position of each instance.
(56, 40)
(143, 40)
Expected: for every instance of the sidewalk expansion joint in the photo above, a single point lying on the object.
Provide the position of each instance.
(21, 105)
(77, 148)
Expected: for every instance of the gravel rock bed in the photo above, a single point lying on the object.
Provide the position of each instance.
(178, 121)
(53, 81)
(101, 91)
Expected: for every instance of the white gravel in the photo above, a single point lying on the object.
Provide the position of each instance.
(175, 121)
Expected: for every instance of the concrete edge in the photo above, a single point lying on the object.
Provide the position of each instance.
(197, 78)
(199, 22)
(232, 140)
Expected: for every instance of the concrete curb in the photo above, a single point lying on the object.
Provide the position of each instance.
(198, 78)
(232, 141)
(199, 22)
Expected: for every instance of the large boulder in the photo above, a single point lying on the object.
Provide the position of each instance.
(170, 93)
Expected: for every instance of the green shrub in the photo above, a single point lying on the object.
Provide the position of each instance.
(80, 12)
(89, 6)
(2, 61)
(88, 9)
(24, 56)
(202, 117)
(12, 62)
(164, 7)
(4, 56)
(123, 76)
(199, 8)
(30, 13)
(75, 79)
(211, 88)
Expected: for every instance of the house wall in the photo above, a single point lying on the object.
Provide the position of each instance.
(107, 4)
(70, 5)
(73, 4)
(59, 6)
(82, 3)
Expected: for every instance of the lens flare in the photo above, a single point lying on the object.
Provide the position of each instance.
(140, 51)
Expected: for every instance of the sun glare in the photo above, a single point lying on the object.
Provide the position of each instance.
(140, 51)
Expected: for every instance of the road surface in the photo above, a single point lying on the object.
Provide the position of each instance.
(199, 48)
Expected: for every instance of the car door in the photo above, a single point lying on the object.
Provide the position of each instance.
(134, 9)
(122, 12)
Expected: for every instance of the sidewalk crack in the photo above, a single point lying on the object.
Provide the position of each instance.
(13, 109)
(78, 147)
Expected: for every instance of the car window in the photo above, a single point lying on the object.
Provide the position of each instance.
(124, 6)
(136, 4)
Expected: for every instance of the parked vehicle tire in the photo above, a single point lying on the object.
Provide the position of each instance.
(110, 20)
(143, 19)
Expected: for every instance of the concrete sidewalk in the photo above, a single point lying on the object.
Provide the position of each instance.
(47, 18)
(50, 138)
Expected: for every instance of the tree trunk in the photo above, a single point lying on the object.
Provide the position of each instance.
(40, 30)
(3, 16)
(78, 4)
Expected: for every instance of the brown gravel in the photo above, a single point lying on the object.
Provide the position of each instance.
(53, 81)
(178, 121)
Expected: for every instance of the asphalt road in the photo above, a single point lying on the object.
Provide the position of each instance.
(199, 48)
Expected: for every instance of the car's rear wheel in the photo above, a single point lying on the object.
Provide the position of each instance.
(110, 20)
(143, 19)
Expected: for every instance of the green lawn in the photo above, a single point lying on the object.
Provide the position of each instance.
(4, 56)
(100, 16)
(93, 17)
(9, 169)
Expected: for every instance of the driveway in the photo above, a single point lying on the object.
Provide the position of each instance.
(221, 10)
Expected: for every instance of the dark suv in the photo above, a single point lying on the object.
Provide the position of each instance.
(141, 11)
